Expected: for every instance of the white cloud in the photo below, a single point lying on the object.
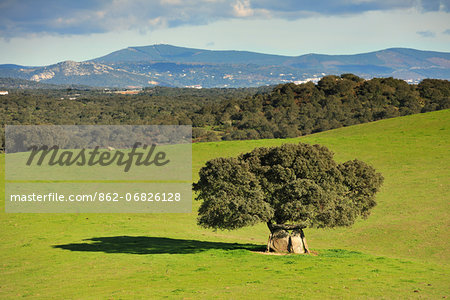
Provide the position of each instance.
(242, 9)
(25, 17)
(171, 2)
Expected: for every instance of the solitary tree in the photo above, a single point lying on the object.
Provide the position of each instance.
(290, 188)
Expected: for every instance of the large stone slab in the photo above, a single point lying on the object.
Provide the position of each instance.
(279, 241)
(296, 243)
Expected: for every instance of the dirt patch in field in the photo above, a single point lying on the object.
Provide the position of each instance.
(313, 253)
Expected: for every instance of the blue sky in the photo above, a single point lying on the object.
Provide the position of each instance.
(41, 32)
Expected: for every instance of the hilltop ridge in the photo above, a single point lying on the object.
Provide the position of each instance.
(168, 65)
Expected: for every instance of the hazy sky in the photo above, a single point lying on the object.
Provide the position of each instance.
(41, 32)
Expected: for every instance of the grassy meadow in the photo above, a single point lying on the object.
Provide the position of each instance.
(400, 251)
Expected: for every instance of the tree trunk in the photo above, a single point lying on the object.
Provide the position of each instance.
(281, 241)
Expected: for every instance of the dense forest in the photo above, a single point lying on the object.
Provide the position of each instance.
(286, 110)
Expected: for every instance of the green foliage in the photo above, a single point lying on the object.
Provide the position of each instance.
(292, 183)
(231, 188)
(286, 110)
(436, 94)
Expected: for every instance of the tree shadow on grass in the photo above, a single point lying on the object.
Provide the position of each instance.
(151, 245)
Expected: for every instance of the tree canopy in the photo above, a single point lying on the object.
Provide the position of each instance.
(291, 184)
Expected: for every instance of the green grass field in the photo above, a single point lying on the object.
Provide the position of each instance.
(400, 251)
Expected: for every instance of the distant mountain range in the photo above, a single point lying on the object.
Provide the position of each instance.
(168, 65)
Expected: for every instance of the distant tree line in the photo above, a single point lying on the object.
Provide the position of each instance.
(286, 110)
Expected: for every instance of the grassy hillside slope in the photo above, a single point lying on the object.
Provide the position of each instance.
(413, 154)
(400, 251)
